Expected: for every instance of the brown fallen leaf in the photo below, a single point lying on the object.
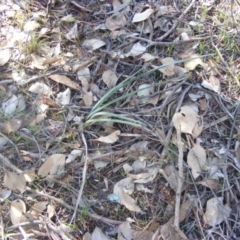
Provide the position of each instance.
(111, 138)
(216, 212)
(11, 126)
(17, 211)
(88, 98)
(14, 181)
(52, 164)
(64, 80)
(196, 159)
(110, 78)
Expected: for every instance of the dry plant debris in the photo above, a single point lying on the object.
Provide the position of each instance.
(119, 119)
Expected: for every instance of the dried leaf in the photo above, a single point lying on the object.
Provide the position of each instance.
(40, 88)
(38, 208)
(186, 119)
(99, 235)
(64, 80)
(110, 78)
(84, 76)
(14, 181)
(4, 56)
(4, 194)
(118, 33)
(213, 84)
(88, 98)
(139, 17)
(192, 64)
(87, 236)
(116, 21)
(64, 97)
(122, 189)
(29, 175)
(93, 44)
(73, 155)
(148, 57)
(37, 62)
(111, 138)
(50, 211)
(73, 33)
(31, 25)
(139, 146)
(168, 70)
(210, 183)
(9, 107)
(50, 60)
(145, 90)
(137, 49)
(17, 211)
(11, 126)
(52, 165)
(216, 212)
(125, 231)
(196, 159)
(68, 18)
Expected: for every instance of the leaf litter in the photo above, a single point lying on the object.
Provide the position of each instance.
(163, 114)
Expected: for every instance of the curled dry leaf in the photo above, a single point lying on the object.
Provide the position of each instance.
(196, 159)
(38, 62)
(64, 97)
(14, 181)
(88, 98)
(137, 49)
(122, 189)
(213, 84)
(110, 78)
(50, 211)
(111, 138)
(73, 33)
(139, 17)
(116, 21)
(216, 212)
(52, 165)
(93, 44)
(4, 56)
(73, 155)
(192, 64)
(186, 119)
(17, 211)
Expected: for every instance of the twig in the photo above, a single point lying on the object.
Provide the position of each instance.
(7, 163)
(63, 203)
(180, 177)
(31, 79)
(176, 23)
(9, 140)
(83, 178)
(169, 134)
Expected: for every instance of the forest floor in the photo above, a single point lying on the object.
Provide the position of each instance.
(119, 119)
